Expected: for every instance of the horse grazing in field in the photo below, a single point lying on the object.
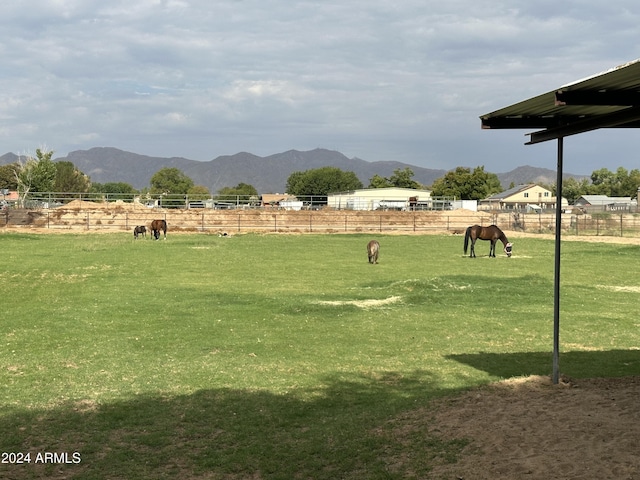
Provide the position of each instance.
(140, 230)
(373, 249)
(156, 226)
(491, 233)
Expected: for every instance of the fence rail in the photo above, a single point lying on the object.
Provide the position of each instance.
(112, 217)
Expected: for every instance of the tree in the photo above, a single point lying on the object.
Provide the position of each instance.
(69, 179)
(242, 189)
(379, 182)
(170, 181)
(9, 176)
(400, 179)
(632, 183)
(322, 181)
(619, 184)
(36, 174)
(466, 185)
(572, 189)
(199, 192)
(113, 187)
(241, 193)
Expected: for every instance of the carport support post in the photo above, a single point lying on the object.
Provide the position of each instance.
(556, 281)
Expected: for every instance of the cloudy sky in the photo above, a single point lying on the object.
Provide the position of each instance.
(374, 79)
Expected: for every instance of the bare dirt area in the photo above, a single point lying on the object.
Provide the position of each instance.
(528, 428)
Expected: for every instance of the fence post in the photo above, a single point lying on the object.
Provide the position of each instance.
(380, 222)
(310, 224)
(621, 234)
(345, 223)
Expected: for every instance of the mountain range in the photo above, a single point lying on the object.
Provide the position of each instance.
(267, 174)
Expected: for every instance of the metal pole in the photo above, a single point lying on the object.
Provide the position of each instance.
(556, 286)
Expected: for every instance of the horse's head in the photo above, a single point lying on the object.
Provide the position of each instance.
(507, 249)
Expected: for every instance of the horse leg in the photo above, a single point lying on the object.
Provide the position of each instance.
(473, 249)
(492, 249)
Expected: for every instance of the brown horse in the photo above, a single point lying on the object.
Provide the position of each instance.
(156, 226)
(491, 233)
(373, 249)
(140, 230)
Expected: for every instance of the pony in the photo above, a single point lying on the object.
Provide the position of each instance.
(140, 230)
(491, 233)
(156, 226)
(373, 249)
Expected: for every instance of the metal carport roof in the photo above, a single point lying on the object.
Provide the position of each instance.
(609, 99)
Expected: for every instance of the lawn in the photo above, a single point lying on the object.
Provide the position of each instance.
(280, 356)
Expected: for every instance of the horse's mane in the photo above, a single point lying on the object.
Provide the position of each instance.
(502, 237)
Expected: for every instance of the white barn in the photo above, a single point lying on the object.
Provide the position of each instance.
(391, 198)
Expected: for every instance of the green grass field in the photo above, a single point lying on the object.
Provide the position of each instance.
(280, 356)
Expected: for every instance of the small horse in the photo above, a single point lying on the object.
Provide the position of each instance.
(140, 230)
(156, 226)
(491, 233)
(373, 249)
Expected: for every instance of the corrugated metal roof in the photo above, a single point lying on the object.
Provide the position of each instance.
(609, 99)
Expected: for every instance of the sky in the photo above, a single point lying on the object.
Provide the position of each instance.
(379, 80)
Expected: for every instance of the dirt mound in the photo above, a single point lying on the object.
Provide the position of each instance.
(85, 205)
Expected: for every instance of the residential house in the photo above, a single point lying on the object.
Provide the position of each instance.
(530, 197)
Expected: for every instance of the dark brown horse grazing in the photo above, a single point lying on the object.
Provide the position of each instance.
(140, 230)
(491, 233)
(156, 226)
(373, 249)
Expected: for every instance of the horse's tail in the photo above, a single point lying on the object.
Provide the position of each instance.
(466, 239)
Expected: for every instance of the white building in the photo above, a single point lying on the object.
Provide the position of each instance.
(391, 198)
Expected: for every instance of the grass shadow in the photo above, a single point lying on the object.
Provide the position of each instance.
(337, 431)
(574, 364)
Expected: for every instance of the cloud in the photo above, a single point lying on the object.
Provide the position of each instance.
(400, 81)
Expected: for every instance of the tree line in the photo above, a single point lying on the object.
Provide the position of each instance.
(40, 174)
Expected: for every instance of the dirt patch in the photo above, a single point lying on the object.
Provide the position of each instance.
(369, 303)
(528, 428)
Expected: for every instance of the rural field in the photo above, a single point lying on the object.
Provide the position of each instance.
(291, 357)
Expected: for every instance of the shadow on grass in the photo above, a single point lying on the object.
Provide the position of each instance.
(340, 431)
(610, 363)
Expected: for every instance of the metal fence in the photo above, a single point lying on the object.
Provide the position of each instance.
(46, 200)
(124, 217)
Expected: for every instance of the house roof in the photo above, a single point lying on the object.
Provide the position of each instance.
(603, 199)
(609, 99)
(512, 191)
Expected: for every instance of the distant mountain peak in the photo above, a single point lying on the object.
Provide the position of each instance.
(267, 174)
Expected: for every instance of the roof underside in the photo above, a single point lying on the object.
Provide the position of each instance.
(607, 100)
